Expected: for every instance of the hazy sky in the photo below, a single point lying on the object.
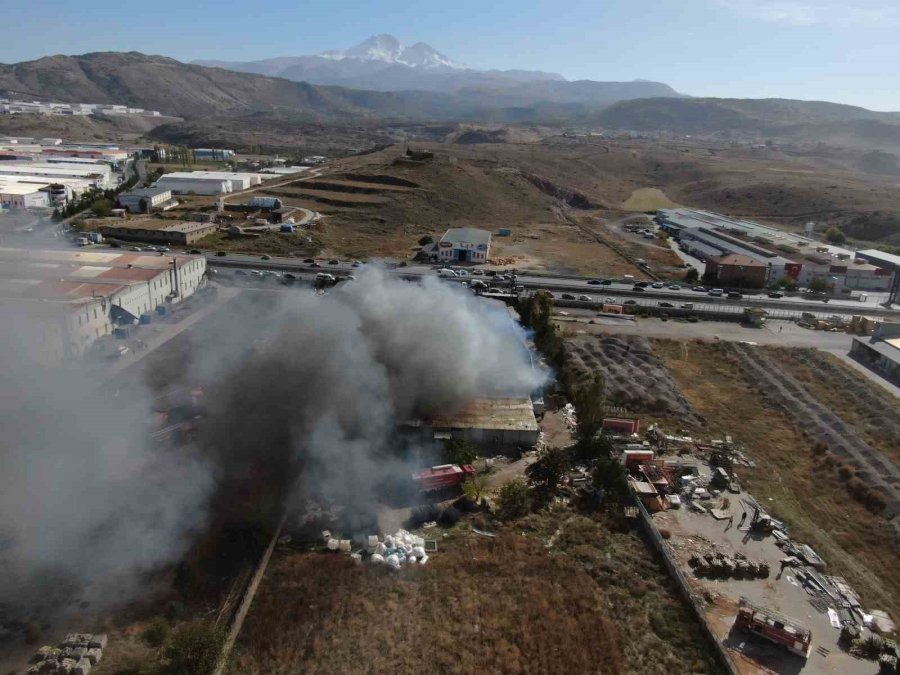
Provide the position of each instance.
(811, 49)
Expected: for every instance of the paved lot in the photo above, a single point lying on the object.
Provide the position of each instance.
(780, 592)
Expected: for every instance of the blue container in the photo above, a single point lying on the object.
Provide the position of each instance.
(146, 318)
(504, 232)
(161, 310)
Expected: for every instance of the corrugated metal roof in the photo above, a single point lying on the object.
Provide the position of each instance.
(469, 235)
(490, 413)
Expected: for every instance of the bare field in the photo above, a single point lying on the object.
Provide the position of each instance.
(597, 602)
(791, 477)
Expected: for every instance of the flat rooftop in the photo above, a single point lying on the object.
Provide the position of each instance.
(469, 235)
(884, 259)
(160, 225)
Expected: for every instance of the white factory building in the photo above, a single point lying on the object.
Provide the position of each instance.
(98, 176)
(24, 195)
(209, 182)
(464, 244)
(68, 299)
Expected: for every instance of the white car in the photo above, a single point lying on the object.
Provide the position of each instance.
(478, 273)
(446, 273)
(584, 298)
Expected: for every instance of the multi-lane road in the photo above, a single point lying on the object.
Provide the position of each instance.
(616, 291)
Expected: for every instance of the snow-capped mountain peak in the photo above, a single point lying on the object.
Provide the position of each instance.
(388, 49)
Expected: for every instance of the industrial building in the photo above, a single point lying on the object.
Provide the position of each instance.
(463, 244)
(145, 200)
(711, 236)
(58, 302)
(493, 424)
(212, 154)
(160, 232)
(209, 182)
(736, 271)
(16, 195)
(881, 352)
(98, 177)
(888, 262)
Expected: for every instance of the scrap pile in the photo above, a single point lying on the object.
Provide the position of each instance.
(395, 551)
(75, 655)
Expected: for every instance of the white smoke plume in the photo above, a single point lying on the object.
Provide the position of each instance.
(303, 392)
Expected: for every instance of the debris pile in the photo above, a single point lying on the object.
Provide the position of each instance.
(401, 548)
(568, 414)
(722, 566)
(75, 655)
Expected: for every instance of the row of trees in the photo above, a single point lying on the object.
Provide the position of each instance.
(101, 202)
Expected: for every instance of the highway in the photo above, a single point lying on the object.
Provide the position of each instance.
(616, 291)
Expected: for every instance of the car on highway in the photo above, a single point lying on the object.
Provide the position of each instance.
(630, 302)
(665, 304)
(266, 257)
(606, 282)
(135, 248)
(716, 292)
(240, 272)
(699, 289)
(446, 272)
(195, 251)
(309, 260)
(494, 289)
(568, 296)
(642, 284)
(611, 299)
(356, 263)
(477, 283)
(595, 282)
(639, 289)
(491, 273)
(658, 284)
(314, 264)
(290, 277)
(674, 287)
(584, 298)
(221, 254)
(478, 273)
(256, 273)
(687, 305)
(776, 294)
(734, 295)
(322, 277)
(334, 262)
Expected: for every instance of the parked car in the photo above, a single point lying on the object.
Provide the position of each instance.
(630, 302)
(658, 284)
(699, 289)
(595, 282)
(240, 272)
(314, 264)
(638, 288)
(491, 273)
(674, 287)
(584, 298)
(290, 277)
(776, 294)
(568, 296)
(666, 304)
(478, 273)
(611, 299)
(606, 282)
(334, 262)
(716, 292)
(135, 248)
(642, 284)
(266, 257)
(356, 264)
(195, 251)
(446, 272)
(309, 260)
(734, 295)
(221, 254)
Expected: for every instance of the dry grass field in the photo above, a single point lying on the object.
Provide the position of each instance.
(596, 602)
(790, 477)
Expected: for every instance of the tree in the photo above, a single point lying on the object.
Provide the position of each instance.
(834, 236)
(609, 476)
(460, 451)
(427, 239)
(691, 275)
(514, 499)
(193, 649)
(590, 406)
(547, 472)
(474, 486)
(102, 207)
(819, 285)
(156, 633)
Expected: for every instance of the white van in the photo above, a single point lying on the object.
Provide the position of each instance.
(446, 273)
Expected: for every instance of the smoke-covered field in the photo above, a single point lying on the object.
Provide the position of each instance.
(302, 395)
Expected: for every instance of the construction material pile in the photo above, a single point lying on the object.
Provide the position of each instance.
(395, 551)
(635, 378)
(721, 566)
(75, 655)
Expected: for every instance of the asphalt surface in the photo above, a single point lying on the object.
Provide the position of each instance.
(615, 292)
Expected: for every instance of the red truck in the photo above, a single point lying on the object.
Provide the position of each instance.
(442, 476)
(774, 627)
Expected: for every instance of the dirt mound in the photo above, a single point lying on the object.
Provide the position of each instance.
(648, 199)
(635, 378)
